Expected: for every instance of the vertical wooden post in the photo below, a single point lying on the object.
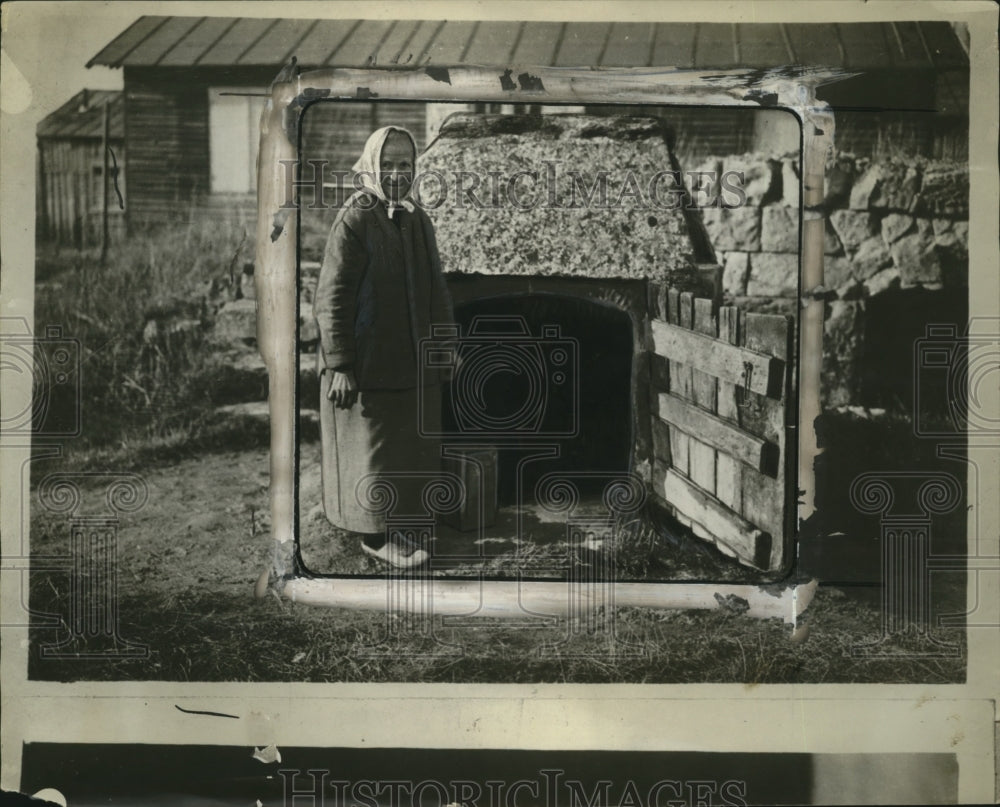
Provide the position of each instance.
(71, 193)
(816, 145)
(729, 471)
(704, 392)
(275, 275)
(105, 135)
(680, 382)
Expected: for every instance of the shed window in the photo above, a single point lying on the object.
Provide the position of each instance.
(233, 124)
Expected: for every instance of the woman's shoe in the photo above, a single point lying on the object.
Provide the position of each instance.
(398, 552)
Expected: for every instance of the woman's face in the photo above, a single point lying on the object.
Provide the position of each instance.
(396, 166)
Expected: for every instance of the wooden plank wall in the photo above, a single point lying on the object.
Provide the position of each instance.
(720, 384)
(337, 131)
(68, 200)
(166, 129)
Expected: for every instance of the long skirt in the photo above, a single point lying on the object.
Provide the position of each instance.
(379, 455)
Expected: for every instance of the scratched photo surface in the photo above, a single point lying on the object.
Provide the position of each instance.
(215, 776)
(582, 332)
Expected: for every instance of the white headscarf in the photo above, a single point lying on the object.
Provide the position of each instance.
(368, 166)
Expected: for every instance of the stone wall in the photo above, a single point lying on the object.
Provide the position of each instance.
(558, 222)
(893, 224)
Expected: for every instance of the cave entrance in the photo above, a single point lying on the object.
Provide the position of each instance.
(543, 398)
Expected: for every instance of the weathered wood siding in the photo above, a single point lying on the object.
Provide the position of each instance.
(336, 131)
(166, 128)
(721, 385)
(68, 200)
(169, 155)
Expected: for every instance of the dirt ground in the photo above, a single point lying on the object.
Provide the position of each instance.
(528, 542)
(188, 559)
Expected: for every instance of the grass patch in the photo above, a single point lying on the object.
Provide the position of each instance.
(143, 323)
(188, 560)
(208, 636)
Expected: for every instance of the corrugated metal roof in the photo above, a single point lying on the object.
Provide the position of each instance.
(219, 41)
(82, 116)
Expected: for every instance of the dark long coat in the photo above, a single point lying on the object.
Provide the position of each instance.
(380, 289)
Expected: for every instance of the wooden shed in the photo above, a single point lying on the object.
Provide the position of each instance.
(71, 163)
(194, 86)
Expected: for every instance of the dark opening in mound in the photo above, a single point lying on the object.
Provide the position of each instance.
(568, 390)
(899, 357)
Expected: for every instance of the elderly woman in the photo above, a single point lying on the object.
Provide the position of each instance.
(380, 289)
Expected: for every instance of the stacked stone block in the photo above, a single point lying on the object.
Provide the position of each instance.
(893, 224)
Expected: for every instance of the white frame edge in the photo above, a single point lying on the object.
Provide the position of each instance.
(792, 89)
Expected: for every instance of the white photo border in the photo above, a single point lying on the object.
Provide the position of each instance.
(872, 718)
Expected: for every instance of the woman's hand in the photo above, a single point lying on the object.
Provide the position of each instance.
(343, 389)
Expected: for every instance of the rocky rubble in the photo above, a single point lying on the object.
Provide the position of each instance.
(528, 198)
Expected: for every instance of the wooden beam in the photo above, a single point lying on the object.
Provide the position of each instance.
(724, 361)
(728, 485)
(767, 499)
(431, 597)
(754, 451)
(679, 378)
(704, 390)
(105, 186)
(661, 440)
(750, 543)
